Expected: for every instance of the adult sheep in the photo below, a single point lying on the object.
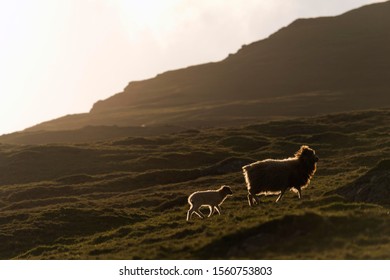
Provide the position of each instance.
(273, 176)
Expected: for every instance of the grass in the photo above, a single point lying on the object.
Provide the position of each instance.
(126, 198)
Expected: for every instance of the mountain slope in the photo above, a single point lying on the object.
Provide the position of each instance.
(347, 52)
(313, 66)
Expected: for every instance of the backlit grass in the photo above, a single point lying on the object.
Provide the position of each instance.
(127, 198)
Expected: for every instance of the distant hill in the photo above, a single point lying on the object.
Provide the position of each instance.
(313, 66)
(331, 58)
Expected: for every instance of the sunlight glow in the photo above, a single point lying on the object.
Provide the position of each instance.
(59, 57)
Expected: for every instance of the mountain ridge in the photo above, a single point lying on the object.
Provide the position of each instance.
(350, 21)
(313, 66)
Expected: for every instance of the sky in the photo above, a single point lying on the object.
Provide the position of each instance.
(58, 57)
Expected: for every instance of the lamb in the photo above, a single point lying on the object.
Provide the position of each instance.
(211, 198)
(272, 176)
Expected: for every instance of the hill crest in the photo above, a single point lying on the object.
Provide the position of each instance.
(313, 66)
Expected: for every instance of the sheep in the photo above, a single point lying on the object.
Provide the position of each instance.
(211, 198)
(272, 176)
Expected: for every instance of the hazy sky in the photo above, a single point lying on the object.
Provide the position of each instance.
(58, 57)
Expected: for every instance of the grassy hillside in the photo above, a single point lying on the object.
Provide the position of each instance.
(126, 198)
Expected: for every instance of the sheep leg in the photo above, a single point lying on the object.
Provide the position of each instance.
(189, 212)
(257, 200)
(252, 199)
(299, 193)
(218, 209)
(211, 211)
(200, 214)
(280, 195)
